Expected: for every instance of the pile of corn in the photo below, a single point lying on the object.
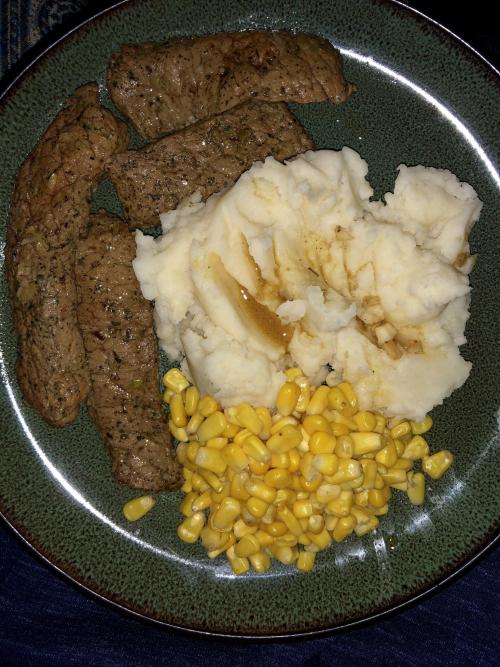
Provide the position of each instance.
(285, 485)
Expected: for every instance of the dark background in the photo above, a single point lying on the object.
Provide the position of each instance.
(46, 620)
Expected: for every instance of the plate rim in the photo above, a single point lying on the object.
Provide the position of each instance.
(9, 84)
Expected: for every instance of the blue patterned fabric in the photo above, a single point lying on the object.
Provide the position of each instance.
(47, 621)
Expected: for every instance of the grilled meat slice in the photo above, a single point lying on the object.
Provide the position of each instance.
(116, 323)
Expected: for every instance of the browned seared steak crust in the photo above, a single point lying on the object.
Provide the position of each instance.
(49, 210)
(122, 355)
(207, 156)
(164, 87)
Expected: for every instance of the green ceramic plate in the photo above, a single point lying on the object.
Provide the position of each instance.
(424, 97)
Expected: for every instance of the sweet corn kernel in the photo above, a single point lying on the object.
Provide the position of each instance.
(367, 526)
(307, 469)
(416, 488)
(400, 430)
(285, 497)
(198, 483)
(276, 529)
(238, 486)
(230, 540)
(238, 565)
(286, 555)
(305, 561)
(280, 460)
(315, 524)
(294, 460)
(321, 540)
(394, 476)
(417, 428)
(369, 473)
(352, 400)
(314, 423)
(305, 393)
(218, 496)
(289, 520)
(378, 497)
(189, 530)
(387, 456)
(278, 478)
(293, 373)
(337, 400)
(217, 443)
(179, 434)
(341, 506)
(267, 422)
(416, 449)
(212, 427)
(284, 440)
(248, 418)
(231, 430)
(344, 528)
(281, 422)
(256, 506)
(348, 470)
(365, 443)
(380, 511)
(137, 507)
(240, 528)
(322, 443)
(259, 489)
(318, 401)
(228, 512)
(177, 411)
(400, 445)
(212, 540)
(302, 509)
(344, 448)
(192, 450)
(327, 492)
(211, 459)
(380, 422)
(242, 435)
(202, 502)
(265, 540)
(191, 400)
(207, 405)
(403, 464)
(167, 396)
(261, 562)
(326, 464)
(287, 540)
(255, 448)
(258, 467)
(339, 430)
(235, 457)
(194, 423)
(287, 398)
(365, 420)
(175, 380)
(436, 465)
(247, 546)
(212, 480)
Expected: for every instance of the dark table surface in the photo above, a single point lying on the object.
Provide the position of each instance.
(46, 620)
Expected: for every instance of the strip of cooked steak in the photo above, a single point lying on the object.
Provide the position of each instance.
(122, 355)
(49, 210)
(207, 156)
(164, 87)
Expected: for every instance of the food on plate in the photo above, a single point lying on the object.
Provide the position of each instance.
(165, 87)
(205, 157)
(286, 483)
(49, 210)
(122, 356)
(295, 265)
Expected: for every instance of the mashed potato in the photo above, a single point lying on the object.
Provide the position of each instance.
(294, 265)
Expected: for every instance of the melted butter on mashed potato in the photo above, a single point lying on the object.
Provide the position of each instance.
(295, 266)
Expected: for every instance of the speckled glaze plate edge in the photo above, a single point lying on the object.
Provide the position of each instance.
(8, 88)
